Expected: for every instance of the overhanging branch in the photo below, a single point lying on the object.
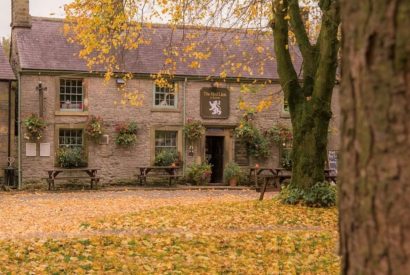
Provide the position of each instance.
(286, 71)
(299, 30)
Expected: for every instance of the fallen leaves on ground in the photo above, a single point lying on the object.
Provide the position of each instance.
(213, 237)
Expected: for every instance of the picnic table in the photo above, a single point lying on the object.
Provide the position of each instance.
(281, 174)
(171, 173)
(255, 172)
(90, 173)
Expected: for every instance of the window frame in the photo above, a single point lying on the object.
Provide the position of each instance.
(69, 126)
(71, 145)
(171, 128)
(71, 112)
(165, 147)
(154, 93)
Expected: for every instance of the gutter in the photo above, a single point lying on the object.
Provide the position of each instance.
(72, 73)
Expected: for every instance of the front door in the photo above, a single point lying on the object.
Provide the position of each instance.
(215, 156)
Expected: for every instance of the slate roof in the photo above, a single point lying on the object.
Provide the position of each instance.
(6, 73)
(44, 47)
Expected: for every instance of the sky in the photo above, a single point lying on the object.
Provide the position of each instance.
(48, 8)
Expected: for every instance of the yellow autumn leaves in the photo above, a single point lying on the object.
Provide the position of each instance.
(209, 238)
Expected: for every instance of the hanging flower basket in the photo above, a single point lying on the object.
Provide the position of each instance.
(281, 135)
(35, 127)
(126, 134)
(95, 128)
(194, 130)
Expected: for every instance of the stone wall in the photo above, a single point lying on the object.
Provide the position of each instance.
(105, 100)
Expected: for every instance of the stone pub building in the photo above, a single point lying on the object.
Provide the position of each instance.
(71, 94)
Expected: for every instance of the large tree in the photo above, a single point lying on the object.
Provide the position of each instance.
(104, 27)
(375, 99)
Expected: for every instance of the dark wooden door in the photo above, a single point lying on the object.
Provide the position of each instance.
(215, 155)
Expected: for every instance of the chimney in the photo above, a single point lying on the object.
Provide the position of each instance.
(20, 14)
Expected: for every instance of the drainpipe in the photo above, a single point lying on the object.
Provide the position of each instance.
(9, 124)
(20, 173)
(183, 123)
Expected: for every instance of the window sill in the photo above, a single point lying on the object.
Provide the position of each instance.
(171, 110)
(285, 114)
(62, 113)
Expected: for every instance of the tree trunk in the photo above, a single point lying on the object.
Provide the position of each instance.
(310, 104)
(309, 146)
(375, 100)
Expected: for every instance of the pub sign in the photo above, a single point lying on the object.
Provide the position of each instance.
(215, 103)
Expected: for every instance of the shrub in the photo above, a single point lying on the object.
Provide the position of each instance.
(95, 127)
(322, 194)
(199, 174)
(71, 157)
(166, 158)
(232, 171)
(35, 126)
(126, 134)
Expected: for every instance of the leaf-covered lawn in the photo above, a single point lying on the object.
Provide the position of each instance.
(209, 238)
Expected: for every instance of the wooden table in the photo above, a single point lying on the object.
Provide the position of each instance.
(91, 173)
(172, 172)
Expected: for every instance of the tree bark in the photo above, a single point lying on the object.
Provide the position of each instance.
(375, 100)
(310, 100)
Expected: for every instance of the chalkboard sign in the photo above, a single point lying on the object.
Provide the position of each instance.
(332, 159)
(241, 154)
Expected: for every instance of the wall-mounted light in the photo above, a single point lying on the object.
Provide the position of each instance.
(120, 81)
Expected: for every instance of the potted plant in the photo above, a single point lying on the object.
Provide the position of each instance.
(232, 173)
(126, 134)
(35, 126)
(71, 157)
(199, 174)
(95, 128)
(166, 158)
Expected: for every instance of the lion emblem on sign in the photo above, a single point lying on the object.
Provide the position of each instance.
(215, 107)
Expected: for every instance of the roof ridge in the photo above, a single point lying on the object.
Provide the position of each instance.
(160, 25)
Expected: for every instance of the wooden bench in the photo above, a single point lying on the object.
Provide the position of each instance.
(51, 182)
(171, 173)
(91, 174)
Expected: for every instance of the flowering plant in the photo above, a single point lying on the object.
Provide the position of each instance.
(194, 130)
(199, 174)
(71, 157)
(281, 135)
(126, 133)
(255, 142)
(35, 126)
(95, 127)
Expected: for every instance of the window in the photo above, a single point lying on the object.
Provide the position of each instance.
(165, 140)
(70, 138)
(165, 96)
(71, 95)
